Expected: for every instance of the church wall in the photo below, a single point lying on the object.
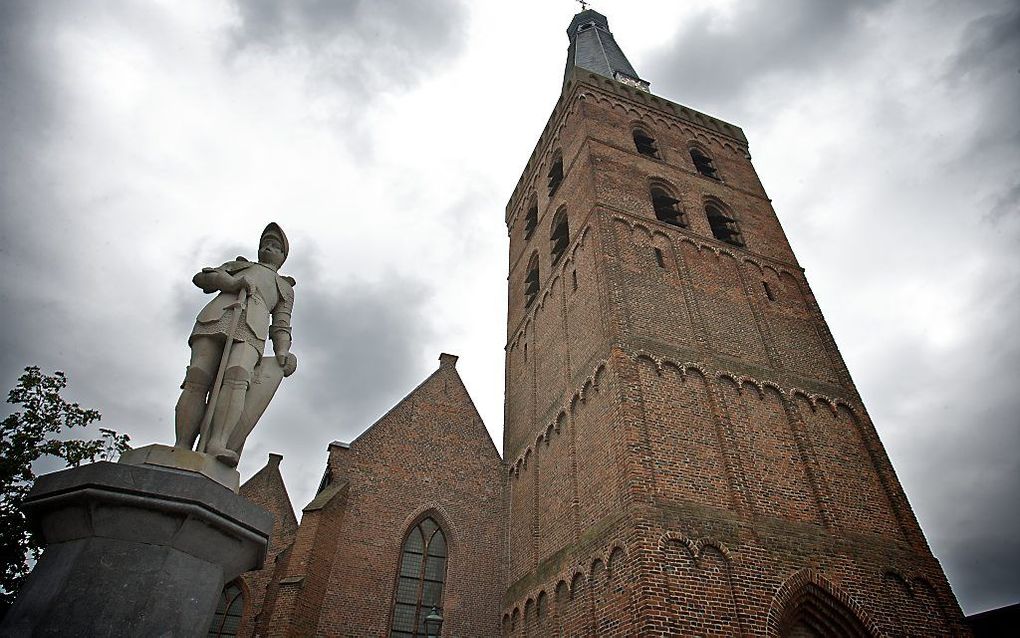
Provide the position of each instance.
(708, 578)
(429, 456)
(776, 477)
(266, 489)
(556, 521)
(861, 502)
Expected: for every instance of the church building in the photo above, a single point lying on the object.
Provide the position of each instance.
(684, 450)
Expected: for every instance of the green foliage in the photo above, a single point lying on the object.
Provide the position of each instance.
(40, 428)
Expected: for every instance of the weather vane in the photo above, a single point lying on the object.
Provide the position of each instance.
(584, 4)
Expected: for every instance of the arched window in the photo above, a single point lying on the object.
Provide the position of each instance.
(703, 163)
(531, 282)
(421, 578)
(559, 235)
(667, 208)
(724, 226)
(531, 218)
(555, 173)
(645, 144)
(228, 613)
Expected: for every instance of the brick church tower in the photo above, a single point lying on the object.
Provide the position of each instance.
(686, 452)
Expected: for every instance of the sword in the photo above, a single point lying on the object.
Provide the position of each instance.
(237, 307)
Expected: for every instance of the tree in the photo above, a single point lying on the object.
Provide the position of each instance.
(39, 429)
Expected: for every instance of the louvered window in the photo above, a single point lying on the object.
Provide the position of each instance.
(559, 237)
(724, 227)
(703, 163)
(645, 144)
(227, 618)
(531, 221)
(667, 208)
(421, 579)
(555, 175)
(531, 282)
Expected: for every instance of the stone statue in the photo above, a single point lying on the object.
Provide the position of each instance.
(229, 383)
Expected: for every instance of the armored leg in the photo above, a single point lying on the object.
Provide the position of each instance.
(229, 407)
(191, 406)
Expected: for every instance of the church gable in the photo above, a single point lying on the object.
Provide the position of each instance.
(424, 481)
(437, 420)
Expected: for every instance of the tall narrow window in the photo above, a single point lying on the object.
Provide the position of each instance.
(724, 227)
(531, 218)
(667, 208)
(559, 235)
(531, 282)
(555, 173)
(420, 583)
(228, 613)
(704, 163)
(645, 144)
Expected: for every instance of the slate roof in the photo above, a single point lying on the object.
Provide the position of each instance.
(593, 47)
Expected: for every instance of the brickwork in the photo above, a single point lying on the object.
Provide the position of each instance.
(719, 449)
(267, 490)
(430, 455)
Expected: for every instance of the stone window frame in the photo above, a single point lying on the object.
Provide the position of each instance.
(422, 606)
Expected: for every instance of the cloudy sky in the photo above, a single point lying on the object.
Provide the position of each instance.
(140, 141)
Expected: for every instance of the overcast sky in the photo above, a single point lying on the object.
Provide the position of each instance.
(141, 141)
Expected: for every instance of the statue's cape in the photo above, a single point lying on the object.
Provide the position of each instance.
(265, 381)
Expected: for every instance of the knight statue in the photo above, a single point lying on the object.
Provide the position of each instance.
(229, 383)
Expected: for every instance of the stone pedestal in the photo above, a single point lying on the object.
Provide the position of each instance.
(134, 550)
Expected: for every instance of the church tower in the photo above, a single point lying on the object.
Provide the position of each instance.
(686, 452)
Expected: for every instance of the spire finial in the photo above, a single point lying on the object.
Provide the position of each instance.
(584, 4)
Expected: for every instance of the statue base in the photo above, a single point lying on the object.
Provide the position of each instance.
(133, 550)
(176, 458)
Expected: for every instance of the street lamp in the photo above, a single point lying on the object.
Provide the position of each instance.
(434, 623)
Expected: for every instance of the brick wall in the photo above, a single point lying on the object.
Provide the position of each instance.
(723, 475)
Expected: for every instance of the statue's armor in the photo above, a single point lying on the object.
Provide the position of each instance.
(273, 295)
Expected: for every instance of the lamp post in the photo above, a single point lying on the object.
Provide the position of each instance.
(434, 623)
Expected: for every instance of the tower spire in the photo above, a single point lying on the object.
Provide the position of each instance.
(593, 48)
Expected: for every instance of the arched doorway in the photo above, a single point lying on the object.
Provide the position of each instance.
(809, 606)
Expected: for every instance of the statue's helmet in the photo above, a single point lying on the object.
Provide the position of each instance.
(274, 230)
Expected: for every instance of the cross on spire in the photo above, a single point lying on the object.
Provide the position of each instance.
(584, 4)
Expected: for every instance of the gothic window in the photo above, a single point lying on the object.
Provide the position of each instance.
(703, 163)
(228, 613)
(531, 219)
(421, 578)
(559, 235)
(724, 226)
(531, 281)
(667, 208)
(645, 144)
(555, 173)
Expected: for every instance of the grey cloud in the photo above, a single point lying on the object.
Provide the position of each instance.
(362, 44)
(992, 45)
(712, 65)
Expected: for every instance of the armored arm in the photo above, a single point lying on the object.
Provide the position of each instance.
(280, 331)
(221, 279)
